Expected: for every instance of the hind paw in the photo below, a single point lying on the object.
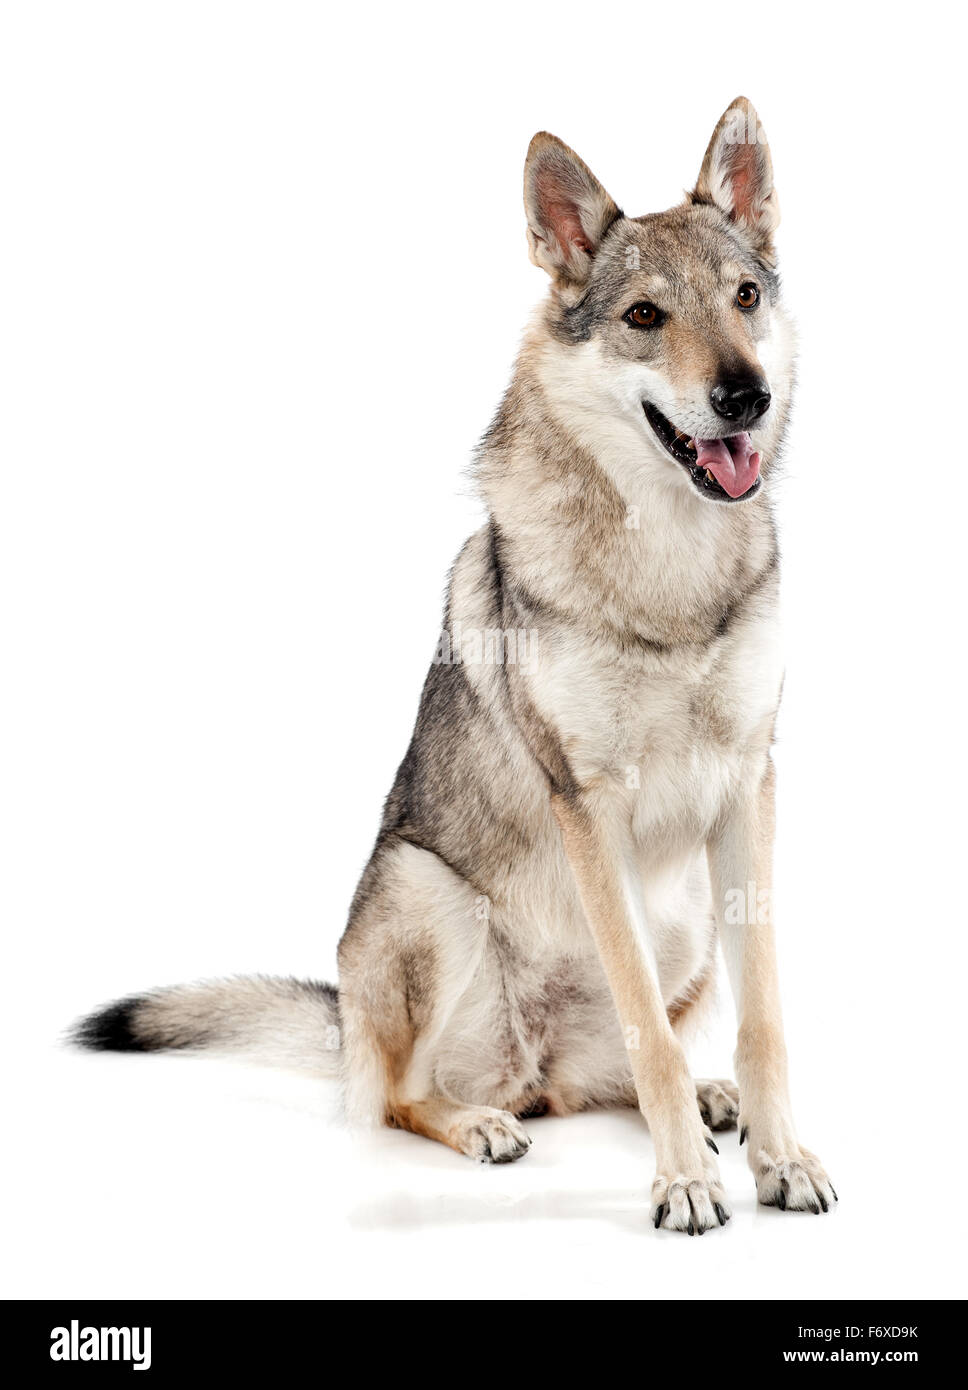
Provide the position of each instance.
(718, 1103)
(492, 1136)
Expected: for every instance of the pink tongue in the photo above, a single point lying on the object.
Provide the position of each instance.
(732, 462)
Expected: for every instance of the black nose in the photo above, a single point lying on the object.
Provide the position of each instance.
(741, 400)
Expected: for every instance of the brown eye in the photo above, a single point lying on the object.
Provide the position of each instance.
(747, 296)
(644, 316)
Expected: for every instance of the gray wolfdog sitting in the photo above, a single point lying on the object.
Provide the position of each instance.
(589, 784)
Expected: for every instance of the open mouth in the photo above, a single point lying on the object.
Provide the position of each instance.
(724, 470)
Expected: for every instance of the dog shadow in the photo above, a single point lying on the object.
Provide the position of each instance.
(506, 1195)
(404, 1211)
(409, 1210)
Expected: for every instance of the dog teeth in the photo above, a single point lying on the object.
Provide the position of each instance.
(710, 476)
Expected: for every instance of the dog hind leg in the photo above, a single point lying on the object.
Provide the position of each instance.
(479, 1131)
(414, 945)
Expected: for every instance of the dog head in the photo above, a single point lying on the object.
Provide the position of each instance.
(671, 321)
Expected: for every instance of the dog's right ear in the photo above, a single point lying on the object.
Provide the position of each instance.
(568, 210)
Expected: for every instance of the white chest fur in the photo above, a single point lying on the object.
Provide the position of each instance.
(661, 740)
(659, 743)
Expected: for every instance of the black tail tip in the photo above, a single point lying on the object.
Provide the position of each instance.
(111, 1029)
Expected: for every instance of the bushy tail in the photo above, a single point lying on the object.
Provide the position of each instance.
(282, 1022)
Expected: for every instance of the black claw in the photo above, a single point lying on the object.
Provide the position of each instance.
(814, 1208)
(834, 1191)
(743, 1133)
(691, 1228)
(712, 1146)
(781, 1200)
(660, 1210)
(721, 1213)
(700, 1230)
(823, 1201)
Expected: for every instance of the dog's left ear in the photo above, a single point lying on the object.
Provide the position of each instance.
(737, 175)
(568, 211)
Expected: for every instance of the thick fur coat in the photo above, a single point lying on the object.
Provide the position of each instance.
(588, 786)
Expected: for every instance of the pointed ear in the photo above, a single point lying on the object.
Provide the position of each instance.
(737, 175)
(568, 210)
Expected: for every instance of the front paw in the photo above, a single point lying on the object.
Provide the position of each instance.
(789, 1176)
(694, 1206)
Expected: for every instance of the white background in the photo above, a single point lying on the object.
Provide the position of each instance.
(264, 273)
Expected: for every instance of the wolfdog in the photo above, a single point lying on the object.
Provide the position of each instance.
(568, 834)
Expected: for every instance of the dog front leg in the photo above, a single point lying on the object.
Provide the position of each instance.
(741, 861)
(687, 1194)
